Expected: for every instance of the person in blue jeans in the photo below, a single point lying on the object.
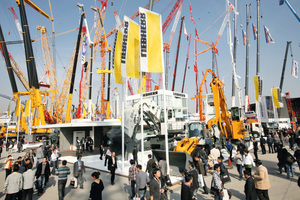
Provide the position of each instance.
(42, 174)
(238, 161)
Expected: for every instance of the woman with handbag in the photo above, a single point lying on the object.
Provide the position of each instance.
(216, 183)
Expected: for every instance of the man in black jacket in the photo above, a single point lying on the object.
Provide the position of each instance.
(250, 190)
(262, 145)
(223, 172)
(112, 166)
(135, 154)
(194, 174)
(200, 168)
(186, 188)
(150, 162)
(42, 174)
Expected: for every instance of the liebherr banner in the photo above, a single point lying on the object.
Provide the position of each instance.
(117, 57)
(276, 94)
(151, 41)
(130, 49)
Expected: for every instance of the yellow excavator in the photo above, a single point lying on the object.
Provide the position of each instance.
(223, 126)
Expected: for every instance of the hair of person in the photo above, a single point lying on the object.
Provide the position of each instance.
(79, 157)
(16, 168)
(183, 171)
(246, 151)
(29, 166)
(19, 157)
(220, 158)
(216, 166)
(247, 173)
(154, 165)
(213, 145)
(188, 177)
(149, 156)
(139, 166)
(9, 156)
(132, 162)
(96, 174)
(155, 171)
(64, 162)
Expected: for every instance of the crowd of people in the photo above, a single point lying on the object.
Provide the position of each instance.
(33, 171)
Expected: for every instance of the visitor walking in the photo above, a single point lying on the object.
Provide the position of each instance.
(248, 161)
(42, 174)
(239, 164)
(13, 185)
(132, 177)
(97, 187)
(112, 167)
(62, 173)
(8, 165)
(250, 190)
(262, 182)
(142, 179)
(78, 171)
(216, 183)
(28, 182)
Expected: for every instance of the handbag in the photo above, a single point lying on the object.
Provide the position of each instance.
(290, 159)
(213, 190)
(200, 180)
(136, 198)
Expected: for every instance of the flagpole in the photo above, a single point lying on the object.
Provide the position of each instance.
(123, 119)
(142, 116)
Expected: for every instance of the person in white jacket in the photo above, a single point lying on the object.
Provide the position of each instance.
(248, 161)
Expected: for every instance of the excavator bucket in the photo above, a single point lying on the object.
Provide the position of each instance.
(178, 160)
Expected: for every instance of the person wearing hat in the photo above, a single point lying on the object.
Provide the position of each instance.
(78, 170)
(261, 179)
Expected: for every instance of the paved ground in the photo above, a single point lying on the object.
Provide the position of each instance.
(281, 187)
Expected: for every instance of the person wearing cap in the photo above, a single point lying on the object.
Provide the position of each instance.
(262, 182)
(78, 170)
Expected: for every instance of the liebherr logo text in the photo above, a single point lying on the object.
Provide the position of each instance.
(124, 45)
(143, 35)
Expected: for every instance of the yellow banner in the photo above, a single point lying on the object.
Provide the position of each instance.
(117, 57)
(27, 108)
(93, 110)
(151, 41)
(275, 97)
(132, 58)
(256, 87)
(18, 108)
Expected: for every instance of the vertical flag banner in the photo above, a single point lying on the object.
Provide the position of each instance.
(244, 37)
(269, 38)
(117, 57)
(18, 108)
(277, 97)
(27, 108)
(254, 31)
(256, 87)
(295, 68)
(192, 19)
(130, 49)
(151, 48)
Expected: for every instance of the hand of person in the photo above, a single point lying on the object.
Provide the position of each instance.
(222, 192)
(162, 190)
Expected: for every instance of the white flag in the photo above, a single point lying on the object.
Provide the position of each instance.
(295, 68)
(232, 8)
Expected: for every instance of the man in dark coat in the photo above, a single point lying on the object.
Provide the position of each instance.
(200, 168)
(42, 174)
(250, 190)
(112, 166)
(135, 154)
(186, 188)
(194, 174)
(255, 147)
(262, 145)
(150, 162)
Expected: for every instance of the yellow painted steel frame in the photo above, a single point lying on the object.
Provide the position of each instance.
(69, 108)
